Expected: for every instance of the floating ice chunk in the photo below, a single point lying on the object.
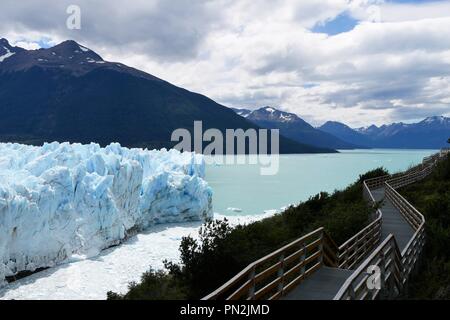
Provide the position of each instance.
(64, 201)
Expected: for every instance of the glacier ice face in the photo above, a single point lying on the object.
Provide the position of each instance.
(64, 200)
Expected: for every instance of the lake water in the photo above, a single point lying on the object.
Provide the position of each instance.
(237, 186)
(242, 187)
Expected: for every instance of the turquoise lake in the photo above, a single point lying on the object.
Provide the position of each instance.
(242, 190)
(237, 186)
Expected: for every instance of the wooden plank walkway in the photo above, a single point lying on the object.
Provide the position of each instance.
(326, 282)
(322, 285)
(393, 222)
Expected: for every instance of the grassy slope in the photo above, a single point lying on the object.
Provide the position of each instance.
(222, 251)
(432, 198)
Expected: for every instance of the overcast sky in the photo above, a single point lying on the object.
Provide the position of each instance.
(355, 61)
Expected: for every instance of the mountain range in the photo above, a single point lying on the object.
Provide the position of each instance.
(295, 128)
(431, 133)
(69, 93)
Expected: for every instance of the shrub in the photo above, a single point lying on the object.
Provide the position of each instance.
(432, 198)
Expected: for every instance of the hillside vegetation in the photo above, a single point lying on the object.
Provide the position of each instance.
(222, 251)
(432, 198)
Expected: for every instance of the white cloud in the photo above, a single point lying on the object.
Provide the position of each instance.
(247, 54)
(396, 12)
(27, 45)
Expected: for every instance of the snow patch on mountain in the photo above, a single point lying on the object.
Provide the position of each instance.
(269, 113)
(438, 120)
(84, 49)
(6, 55)
(66, 200)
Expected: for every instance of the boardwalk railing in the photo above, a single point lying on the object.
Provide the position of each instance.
(279, 272)
(396, 270)
(354, 250)
(444, 152)
(275, 275)
(412, 251)
(362, 285)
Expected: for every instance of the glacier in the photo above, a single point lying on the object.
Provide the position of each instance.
(115, 267)
(66, 201)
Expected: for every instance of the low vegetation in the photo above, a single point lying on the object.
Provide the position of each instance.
(432, 198)
(221, 251)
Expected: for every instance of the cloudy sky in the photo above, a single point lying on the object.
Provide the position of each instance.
(355, 61)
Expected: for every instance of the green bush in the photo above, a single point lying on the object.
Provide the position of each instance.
(155, 285)
(432, 198)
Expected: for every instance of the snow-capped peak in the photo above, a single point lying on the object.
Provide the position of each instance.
(243, 114)
(437, 120)
(272, 114)
(368, 129)
(71, 48)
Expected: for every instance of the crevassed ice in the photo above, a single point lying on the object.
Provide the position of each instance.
(64, 200)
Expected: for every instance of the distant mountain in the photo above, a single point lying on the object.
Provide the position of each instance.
(369, 131)
(69, 93)
(293, 127)
(7, 51)
(431, 133)
(242, 112)
(346, 133)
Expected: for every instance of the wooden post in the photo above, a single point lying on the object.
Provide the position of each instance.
(321, 249)
(383, 285)
(352, 292)
(280, 274)
(345, 258)
(392, 292)
(303, 258)
(251, 291)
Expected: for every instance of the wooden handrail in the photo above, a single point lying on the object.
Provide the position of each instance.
(388, 259)
(354, 250)
(277, 273)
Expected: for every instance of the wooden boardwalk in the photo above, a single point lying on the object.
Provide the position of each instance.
(313, 267)
(322, 285)
(393, 221)
(325, 284)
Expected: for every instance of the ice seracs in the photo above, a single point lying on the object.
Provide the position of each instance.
(65, 200)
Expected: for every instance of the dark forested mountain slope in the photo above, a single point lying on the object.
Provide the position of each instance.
(69, 93)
